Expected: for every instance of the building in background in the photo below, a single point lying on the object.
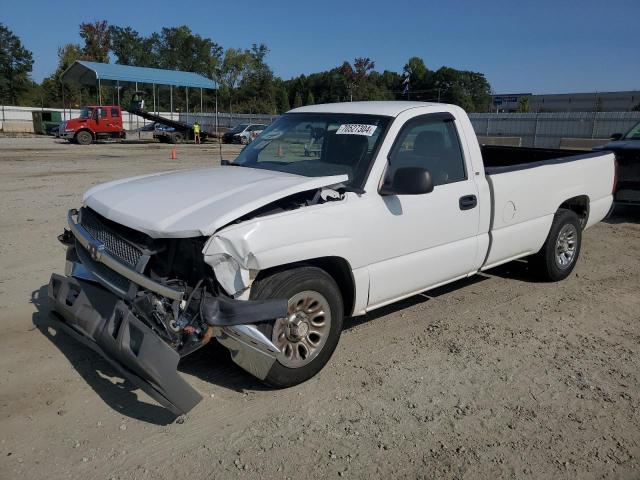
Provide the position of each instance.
(568, 102)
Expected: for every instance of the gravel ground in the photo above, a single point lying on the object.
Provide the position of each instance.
(494, 377)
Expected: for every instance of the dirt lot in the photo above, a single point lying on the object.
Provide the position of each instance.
(493, 377)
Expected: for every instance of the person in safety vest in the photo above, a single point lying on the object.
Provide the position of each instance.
(196, 132)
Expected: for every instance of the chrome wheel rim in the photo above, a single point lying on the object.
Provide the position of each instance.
(303, 333)
(566, 246)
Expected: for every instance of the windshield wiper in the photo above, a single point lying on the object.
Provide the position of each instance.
(228, 163)
(347, 188)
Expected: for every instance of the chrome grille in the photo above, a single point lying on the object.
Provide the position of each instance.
(112, 279)
(115, 245)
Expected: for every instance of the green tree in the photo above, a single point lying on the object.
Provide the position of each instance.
(297, 101)
(417, 69)
(283, 100)
(178, 48)
(130, 48)
(257, 86)
(74, 95)
(97, 42)
(310, 99)
(16, 63)
(469, 90)
(234, 64)
(523, 105)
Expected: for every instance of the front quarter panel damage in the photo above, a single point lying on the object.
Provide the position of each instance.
(233, 264)
(237, 253)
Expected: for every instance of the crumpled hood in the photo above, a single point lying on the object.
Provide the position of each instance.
(192, 203)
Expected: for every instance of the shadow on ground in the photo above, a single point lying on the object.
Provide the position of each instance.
(116, 392)
(624, 214)
(414, 300)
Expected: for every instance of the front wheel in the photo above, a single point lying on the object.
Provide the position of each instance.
(84, 138)
(559, 254)
(309, 334)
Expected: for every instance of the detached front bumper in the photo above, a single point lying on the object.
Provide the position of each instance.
(104, 323)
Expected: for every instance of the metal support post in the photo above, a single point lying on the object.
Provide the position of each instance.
(186, 93)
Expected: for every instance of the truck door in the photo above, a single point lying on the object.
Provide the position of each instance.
(114, 120)
(430, 238)
(100, 120)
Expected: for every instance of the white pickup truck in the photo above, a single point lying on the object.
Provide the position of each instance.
(270, 253)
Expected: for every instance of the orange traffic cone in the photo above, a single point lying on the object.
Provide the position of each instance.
(174, 156)
(280, 152)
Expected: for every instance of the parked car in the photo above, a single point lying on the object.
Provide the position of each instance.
(244, 133)
(94, 123)
(627, 149)
(270, 253)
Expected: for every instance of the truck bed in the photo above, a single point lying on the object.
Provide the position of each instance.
(528, 185)
(500, 158)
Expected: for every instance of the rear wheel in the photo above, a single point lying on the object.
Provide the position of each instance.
(309, 334)
(559, 254)
(177, 138)
(84, 138)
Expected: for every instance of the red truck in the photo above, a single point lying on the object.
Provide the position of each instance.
(95, 122)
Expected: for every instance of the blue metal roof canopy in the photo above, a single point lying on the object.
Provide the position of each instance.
(90, 73)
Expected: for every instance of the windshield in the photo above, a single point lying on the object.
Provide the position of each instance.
(634, 133)
(238, 128)
(318, 144)
(86, 112)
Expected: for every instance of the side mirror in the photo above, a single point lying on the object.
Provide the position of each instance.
(408, 181)
(616, 136)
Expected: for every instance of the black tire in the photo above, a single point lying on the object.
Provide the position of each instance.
(84, 138)
(547, 263)
(286, 284)
(177, 138)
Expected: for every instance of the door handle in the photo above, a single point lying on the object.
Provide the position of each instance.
(468, 202)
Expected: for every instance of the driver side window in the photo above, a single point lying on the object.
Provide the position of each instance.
(432, 143)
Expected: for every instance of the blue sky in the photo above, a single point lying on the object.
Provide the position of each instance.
(540, 47)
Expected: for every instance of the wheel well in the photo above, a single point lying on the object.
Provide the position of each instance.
(337, 267)
(580, 205)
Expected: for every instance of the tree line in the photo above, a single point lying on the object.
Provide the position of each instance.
(247, 83)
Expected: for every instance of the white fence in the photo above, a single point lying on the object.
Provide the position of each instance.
(545, 130)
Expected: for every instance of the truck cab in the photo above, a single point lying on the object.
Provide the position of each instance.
(95, 122)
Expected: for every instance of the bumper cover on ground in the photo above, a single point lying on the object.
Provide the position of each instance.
(104, 323)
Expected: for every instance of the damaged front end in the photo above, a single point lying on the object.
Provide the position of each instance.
(143, 303)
